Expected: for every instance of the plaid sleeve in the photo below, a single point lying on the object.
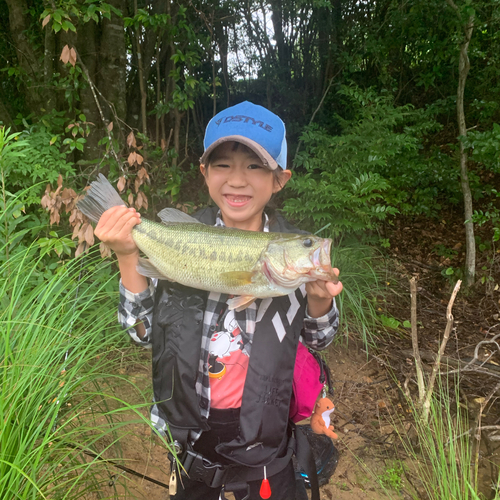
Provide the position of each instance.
(135, 307)
(318, 333)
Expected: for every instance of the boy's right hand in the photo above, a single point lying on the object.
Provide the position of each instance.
(115, 229)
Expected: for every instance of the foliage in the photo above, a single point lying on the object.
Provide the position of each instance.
(58, 372)
(38, 159)
(485, 147)
(392, 476)
(376, 167)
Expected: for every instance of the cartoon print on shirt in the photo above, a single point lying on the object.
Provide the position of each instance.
(223, 344)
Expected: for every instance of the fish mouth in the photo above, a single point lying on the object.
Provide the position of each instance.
(320, 259)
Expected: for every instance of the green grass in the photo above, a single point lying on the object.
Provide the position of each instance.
(442, 459)
(360, 277)
(59, 353)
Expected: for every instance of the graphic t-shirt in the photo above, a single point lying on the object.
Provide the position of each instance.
(228, 363)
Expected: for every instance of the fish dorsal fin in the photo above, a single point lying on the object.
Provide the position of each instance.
(168, 215)
(240, 302)
(238, 278)
(147, 268)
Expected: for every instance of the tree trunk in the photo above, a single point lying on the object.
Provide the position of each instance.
(5, 117)
(88, 54)
(463, 71)
(113, 60)
(277, 18)
(27, 58)
(48, 67)
(140, 75)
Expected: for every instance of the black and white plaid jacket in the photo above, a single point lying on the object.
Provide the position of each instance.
(133, 308)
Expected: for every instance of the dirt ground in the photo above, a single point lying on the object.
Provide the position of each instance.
(360, 394)
(369, 387)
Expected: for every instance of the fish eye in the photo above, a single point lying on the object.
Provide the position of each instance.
(307, 242)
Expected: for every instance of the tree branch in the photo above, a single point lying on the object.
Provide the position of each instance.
(435, 368)
(414, 341)
(98, 104)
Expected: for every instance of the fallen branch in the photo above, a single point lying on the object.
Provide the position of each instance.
(483, 428)
(435, 368)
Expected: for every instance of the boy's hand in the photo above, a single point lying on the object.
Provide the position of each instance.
(115, 229)
(320, 295)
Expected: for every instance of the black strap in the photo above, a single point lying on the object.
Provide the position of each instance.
(325, 375)
(214, 474)
(238, 473)
(306, 460)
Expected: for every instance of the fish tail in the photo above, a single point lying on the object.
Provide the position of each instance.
(100, 197)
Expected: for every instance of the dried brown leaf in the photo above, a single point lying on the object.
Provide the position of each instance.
(73, 217)
(139, 159)
(54, 217)
(81, 233)
(46, 19)
(145, 203)
(59, 180)
(68, 195)
(105, 250)
(89, 235)
(110, 126)
(131, 142)
(45, 201)
(76, 230)
(65, 54)
(72, 57)
(122, 182)
(130, 199)
(138, 201)
(137, 184)
(131, 158)
(163, 144)
(80, 248)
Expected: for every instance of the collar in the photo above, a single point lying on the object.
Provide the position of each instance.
(220, 223)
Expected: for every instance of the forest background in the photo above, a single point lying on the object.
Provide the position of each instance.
(392, 111)
(391, 107)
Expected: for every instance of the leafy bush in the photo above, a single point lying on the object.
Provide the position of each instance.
(375, 168)
(334, 189)
(38, 160)
(485, 147)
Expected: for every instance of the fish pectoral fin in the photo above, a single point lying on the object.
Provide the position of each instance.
(147, 268)
(240, 302)
(239, 278)
(168, 215)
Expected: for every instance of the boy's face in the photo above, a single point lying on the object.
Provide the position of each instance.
(240, 185)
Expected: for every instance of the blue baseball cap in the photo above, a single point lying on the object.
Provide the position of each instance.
(252, 125)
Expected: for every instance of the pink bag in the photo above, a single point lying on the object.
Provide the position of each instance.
(308, 382)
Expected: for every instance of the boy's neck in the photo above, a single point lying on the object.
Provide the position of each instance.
(254, 224)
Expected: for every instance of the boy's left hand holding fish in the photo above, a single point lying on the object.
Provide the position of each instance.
(320, 295)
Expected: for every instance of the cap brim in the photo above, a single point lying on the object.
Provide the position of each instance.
(267, 160)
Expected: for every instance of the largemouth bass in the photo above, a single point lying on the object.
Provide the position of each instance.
(247, 264)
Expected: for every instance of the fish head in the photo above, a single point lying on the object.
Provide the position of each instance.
(296, 259)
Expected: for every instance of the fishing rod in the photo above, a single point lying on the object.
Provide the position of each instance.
(89, 453)
(118, 466)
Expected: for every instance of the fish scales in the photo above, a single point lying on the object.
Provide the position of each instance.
(205, 251)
